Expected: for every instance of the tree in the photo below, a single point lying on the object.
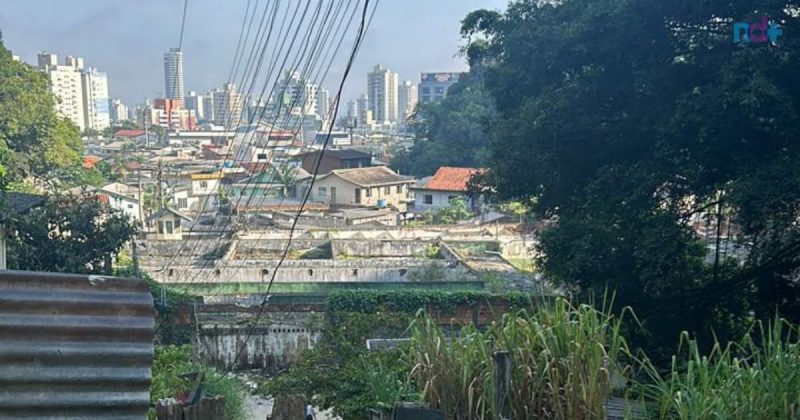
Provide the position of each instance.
(72, 234)
(449, 133)
(34, 141)
(626, 138)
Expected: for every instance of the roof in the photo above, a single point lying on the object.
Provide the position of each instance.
(206, 176)
(129, 133)
(344, 154)
(372, 176)
(90, 160)
(167, 210)
(17, 203)
(449, 178)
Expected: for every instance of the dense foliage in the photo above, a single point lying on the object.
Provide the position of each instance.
(68, 234)
(35, 143)
(171, 362)
(451, 132)
(633, 125)
(411, 301)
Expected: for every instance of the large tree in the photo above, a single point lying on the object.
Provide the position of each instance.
(451, 132)
(71, 234)
(35, 143)
(631, 122)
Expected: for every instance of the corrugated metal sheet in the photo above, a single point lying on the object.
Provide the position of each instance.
(74, 346)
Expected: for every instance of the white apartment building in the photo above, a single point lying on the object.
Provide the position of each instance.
(407, 99)
(227, 106)
(323, 103)
(298, 97)
(67, 85)
(119, 111)
(382, 93)
(196, 103)
(95, 100)
(173, 74)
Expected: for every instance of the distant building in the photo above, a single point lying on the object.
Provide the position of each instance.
(208, 106)
(352, 110)
(66, 84)
(173, 74)
(446, 185)
(196, 103)
(382, 93)
(297, 96)
(97, 115)
(376, 186)
(170, 114)
(119, 111)
(433, 86)
(406, 99)
(227, 106)
(336, 159)
(365, 116)
(323, 103)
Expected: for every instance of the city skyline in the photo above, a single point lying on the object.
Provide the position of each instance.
(421, 37)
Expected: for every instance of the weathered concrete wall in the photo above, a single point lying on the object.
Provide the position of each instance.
(279, 340)
(379, 270)
(364, 248)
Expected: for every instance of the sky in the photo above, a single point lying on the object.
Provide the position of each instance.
(127, 39)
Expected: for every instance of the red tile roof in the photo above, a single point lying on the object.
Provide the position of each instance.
(448, 178)
(89, 161)
(129, 133)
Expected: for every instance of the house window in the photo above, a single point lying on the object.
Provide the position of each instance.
(130, 206)
(168, 225)
(399, 189)
(323, 191)
(387, 190)
(183, 203)
(367, 192)
(262, 156)
(204, 184)
(160, 227)
(427, 199)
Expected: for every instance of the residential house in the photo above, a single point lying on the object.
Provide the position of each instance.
(11, 204)
(183, 200)
(263, 184)
(447, 184)
(376, 186)
(167, 224)
(336, 159)
(205, 183)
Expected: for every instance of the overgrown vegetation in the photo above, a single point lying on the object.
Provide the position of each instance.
(171, 362)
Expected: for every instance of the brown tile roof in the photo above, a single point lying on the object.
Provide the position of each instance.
(371, 176)
(129, 133)
(448, 178)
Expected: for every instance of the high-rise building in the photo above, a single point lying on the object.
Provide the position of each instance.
(406, 100)
(173, 74)
(364, 113)
(352, 110)
(119, 111)
(382, 93)
(433, 86)
(195, 102)
(227, 106)
(298, 96)
(208, 106)
(95, 100)
(67, 85)
(323, 103)
(170, 114)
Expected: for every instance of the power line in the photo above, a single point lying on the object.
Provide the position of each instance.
(356, 46)
(183, 23)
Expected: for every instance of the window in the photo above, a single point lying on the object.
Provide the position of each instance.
(177, 224)
(130, 206)
(261, 156)
(183, 203)
(427, 199)
(426, 90)
(160, 227)
(439, 90)
(168, 225)
(203, 184)
(323, 191)
(399, 189)
(387, 190)
(367, 192)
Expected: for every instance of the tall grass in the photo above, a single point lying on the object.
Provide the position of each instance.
(563, 358)
(748, 379)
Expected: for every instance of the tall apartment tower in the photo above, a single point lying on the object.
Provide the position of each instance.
(119, 111)
(298, 97)
(67, 85)
(323, 103)
(96, 113)
(406, 100)
(173, 74)
(227, 106)
(382, 93)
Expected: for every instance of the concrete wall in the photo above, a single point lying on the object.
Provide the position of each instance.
(378, 270)
(363, 248)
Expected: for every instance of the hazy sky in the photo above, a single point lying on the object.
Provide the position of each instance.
(127, 39)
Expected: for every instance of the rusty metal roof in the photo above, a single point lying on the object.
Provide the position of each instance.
(74, 346)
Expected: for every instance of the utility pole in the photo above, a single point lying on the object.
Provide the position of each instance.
(160, 189)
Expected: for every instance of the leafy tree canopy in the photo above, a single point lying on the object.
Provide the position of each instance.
(34, 141)
(631, 122)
